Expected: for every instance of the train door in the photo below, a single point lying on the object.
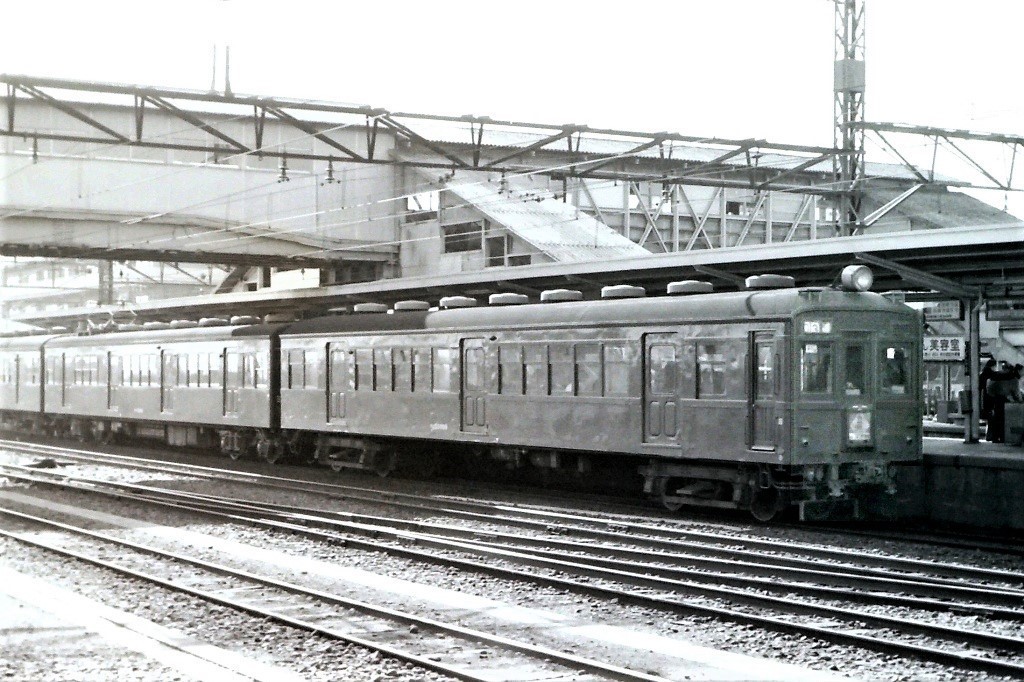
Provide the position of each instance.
(763, 389)
(62, 375)
(662, 353)
(168, 375)
(337, 381)
(113, 378)
(474, 386)
(17, 378)
(232, 381)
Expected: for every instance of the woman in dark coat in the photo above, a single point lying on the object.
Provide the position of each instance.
(1001, 387)
(986, 400)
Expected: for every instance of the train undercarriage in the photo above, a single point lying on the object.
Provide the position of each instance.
(816, 491)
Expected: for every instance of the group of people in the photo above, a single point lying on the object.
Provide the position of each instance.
(999, 383)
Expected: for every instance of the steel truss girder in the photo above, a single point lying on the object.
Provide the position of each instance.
(479, 152)
(949, 137)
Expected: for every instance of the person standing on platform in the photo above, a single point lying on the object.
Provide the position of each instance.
(1001, 386)
(983, 378)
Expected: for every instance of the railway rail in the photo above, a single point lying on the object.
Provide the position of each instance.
(424, 642)
(730, 581)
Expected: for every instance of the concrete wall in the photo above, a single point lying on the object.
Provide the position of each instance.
(983, 491)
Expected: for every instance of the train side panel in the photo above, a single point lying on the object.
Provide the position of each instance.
(187, 377)
(21, 385)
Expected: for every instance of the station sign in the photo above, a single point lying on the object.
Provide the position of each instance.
(944, 310)
(944, 348)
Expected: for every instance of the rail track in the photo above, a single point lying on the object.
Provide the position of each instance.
(457, 651)
(796, 589)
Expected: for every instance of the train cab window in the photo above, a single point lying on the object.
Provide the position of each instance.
(562, 369)
(588, 369)
(855, 371)
(710, 370)
(663, 369)
(312, 370)
(421, 369)
(403, 369)
(894, 369)
(816, 367)
(443, 370)
(535, 362)
(383, 371)
(510, 364)
(616, 370)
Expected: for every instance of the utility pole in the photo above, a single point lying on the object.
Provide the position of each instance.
(848, 106)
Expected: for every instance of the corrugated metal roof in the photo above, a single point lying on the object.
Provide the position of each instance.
(560, 230)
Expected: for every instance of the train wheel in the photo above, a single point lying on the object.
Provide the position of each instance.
(384, 462)
(301, 447)
(670, 502)
(275, 452)
(765, 503)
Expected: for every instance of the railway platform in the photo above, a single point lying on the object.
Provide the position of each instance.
(975, 485)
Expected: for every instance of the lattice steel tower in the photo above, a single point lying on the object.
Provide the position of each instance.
(849, 111)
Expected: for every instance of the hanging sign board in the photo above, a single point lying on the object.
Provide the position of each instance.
(944, 310)
(944, 348)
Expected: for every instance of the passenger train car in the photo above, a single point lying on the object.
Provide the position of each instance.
(757, 399)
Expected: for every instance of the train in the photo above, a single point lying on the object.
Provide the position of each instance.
(771, 398)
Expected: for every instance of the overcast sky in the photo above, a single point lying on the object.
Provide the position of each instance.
(726, 68)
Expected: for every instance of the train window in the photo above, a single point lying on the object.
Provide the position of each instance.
(710, 370)
(296, 364)
(855, 370)
(216, 370)
(562, 369)
(663, 372)
(259, 370)
(535, 362)
(443, 370)
(765, 376)
(182, 370)
(116, 365)
(474, 369)
(338, 370)
(895, 370)
(313, 376)
(588, 369)
(616, 370)
(364, 369)
(816, 367)
(247, 371)
(510, 363)
(421, 370)
(231, 378)
(202, 372)
(403, 369)
(383, 372)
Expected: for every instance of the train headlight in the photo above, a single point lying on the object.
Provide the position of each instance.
(857, 278)
(858, 427)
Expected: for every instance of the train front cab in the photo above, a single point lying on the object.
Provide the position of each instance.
(856, 408)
